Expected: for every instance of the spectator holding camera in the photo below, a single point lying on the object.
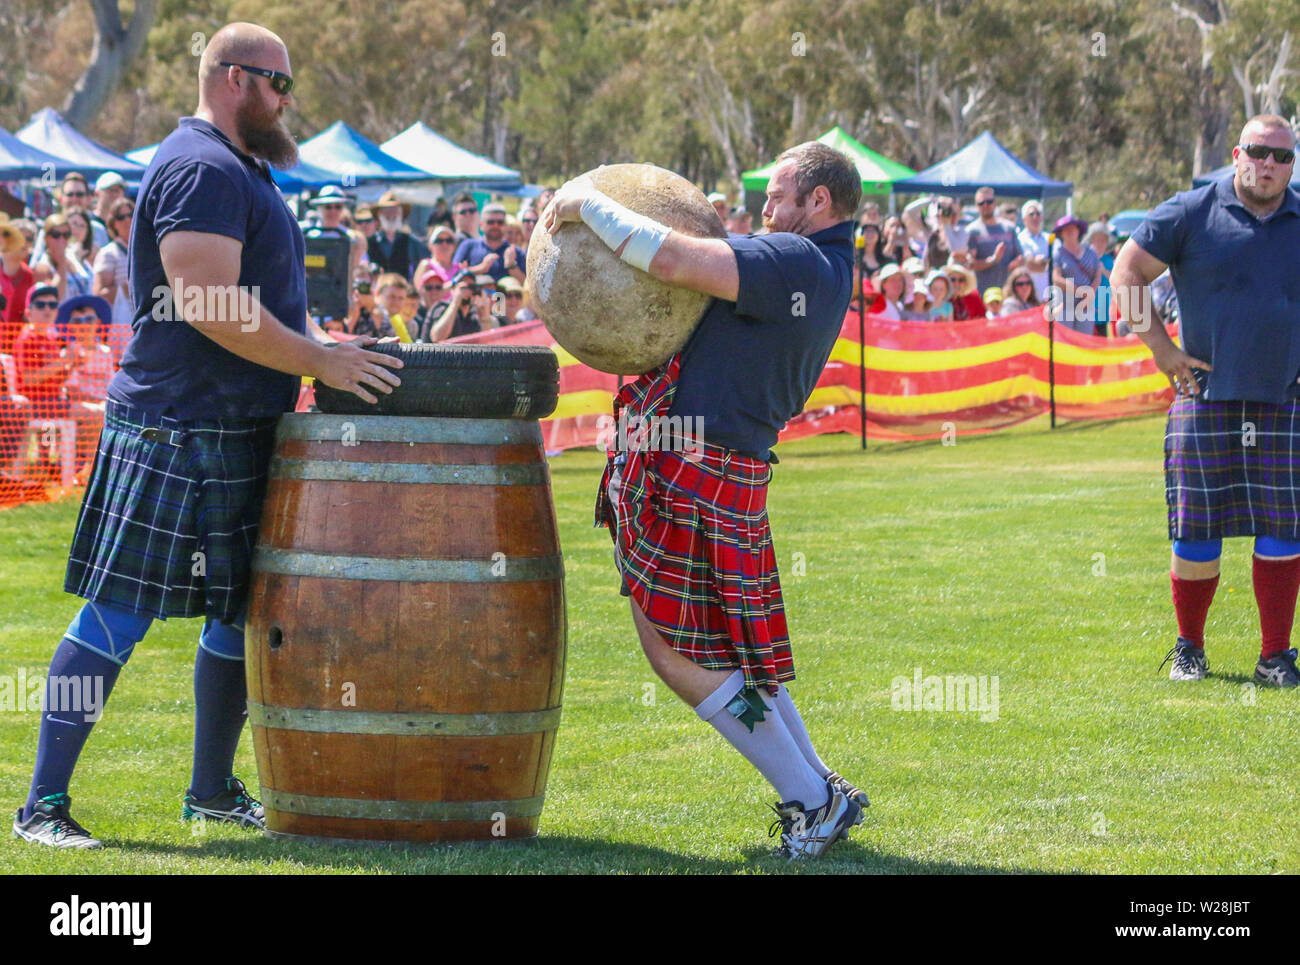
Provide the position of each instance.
(365, 316)
(468, 311)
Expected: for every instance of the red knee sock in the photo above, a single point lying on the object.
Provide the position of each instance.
(1276, 583)
(1191, 603)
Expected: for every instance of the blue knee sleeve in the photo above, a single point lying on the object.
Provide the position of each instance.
(1198, 550)
(224, 639)
(107, 631)
(1268, 546)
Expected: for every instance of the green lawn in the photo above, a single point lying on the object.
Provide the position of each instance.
(1035, 557)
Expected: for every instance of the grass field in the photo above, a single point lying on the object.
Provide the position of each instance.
(1035, 557)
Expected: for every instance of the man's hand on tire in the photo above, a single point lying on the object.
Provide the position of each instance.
(349, 367)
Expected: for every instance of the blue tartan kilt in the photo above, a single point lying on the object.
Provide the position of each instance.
(1232, 469)
(169, 519)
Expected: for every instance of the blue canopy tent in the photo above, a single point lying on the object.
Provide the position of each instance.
(49, 132)
(352, 160)
(1228, 169)
(984, 162)
(300, 177)
(20, 161)
(422, 147)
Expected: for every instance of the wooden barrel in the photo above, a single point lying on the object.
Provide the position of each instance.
(406, 629)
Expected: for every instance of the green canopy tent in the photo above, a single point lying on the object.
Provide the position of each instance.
(878, 172)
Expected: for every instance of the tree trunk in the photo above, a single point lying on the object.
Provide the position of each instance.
(115, 47)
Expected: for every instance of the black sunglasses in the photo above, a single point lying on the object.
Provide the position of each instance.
(59, 235)
(1282, 155)
(444, 241)
(467, 211)
(124, 216)
(280, 83)
(982, 203)
(44, 303)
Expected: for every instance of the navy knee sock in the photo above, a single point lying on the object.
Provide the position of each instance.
(220, 710)
(64, 729)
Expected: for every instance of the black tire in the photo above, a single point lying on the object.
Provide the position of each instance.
(464, 381)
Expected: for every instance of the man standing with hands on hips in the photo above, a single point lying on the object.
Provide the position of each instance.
(1232, 446)
(170, 514)
(691, 532)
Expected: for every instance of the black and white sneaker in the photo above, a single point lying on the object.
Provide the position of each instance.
(1189, 661)
(807, 834)
(854, 794)
(234, 805)
(1278, 670)
(52, 825)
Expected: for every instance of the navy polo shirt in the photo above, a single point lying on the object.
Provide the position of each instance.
(751, 364)
(474, 250)
(199, 181)
(1238, 288)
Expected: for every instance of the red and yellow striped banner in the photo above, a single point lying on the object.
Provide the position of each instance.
(923, 378)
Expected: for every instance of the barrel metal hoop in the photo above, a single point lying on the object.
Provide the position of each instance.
(403, 723)
(355, 429)
(529, 474)
(521, 569)
(372, 810)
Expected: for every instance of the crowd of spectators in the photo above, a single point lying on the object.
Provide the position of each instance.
(927, 265)
(463, 273)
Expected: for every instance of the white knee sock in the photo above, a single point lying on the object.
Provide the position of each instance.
(794, 724)
(769, 747)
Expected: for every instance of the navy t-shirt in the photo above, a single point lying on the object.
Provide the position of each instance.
(751, 364)
(1238, 288)
(474, 250)
(199, 181)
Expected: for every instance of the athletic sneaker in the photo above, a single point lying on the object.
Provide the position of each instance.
(1189, 661)
(807, 834)
(51, 824)
(234, 805)
(1278, 670)
(854, 794)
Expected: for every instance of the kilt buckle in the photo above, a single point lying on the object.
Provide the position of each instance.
(168, 437)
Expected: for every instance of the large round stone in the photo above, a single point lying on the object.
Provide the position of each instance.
(608, 314)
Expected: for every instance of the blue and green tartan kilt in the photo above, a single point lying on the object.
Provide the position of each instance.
(169, 519)
(1232, 469)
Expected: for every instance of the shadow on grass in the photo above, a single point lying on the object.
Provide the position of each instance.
(545, 855)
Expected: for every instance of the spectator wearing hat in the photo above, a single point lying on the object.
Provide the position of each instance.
(492, 254)
(1099, 239)
(432, 289)
(332, 206)
(464, 215)
(58, 265)
(16, 280)
(940, 289)
(966, 301)
(392, 247)
(1076, 270)
(1021, 292)
(891, 282)
(43, 365)
(510, 302)
(363, 219)
(719, 202)
(112, 282)
(365, 315)
(1035, 245)
(993, 242)
(993, 302)
(109, 190)
(469, 309)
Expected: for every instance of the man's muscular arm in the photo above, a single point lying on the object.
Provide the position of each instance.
(206, 262)
(705, 265)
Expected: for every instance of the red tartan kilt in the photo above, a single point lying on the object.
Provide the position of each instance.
(697, 557)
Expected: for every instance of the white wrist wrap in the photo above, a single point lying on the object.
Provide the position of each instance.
(615, 224)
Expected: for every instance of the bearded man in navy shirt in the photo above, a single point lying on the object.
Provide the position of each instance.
(689, 519)
(219, 345)
(1233, 435)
